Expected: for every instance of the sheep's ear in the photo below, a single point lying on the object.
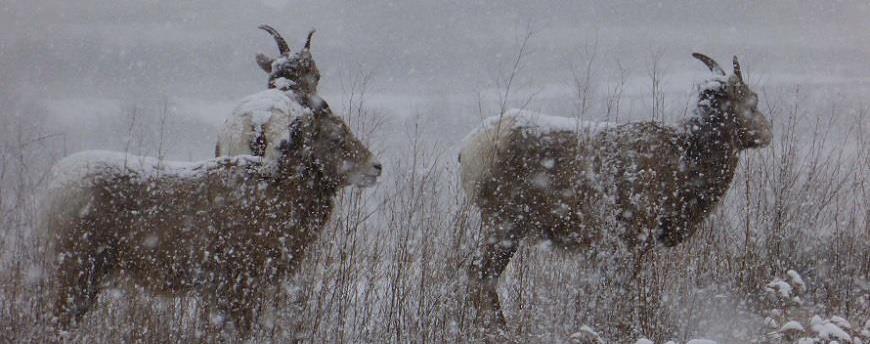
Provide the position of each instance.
(710, 63)
(737, 71)
(265, 62)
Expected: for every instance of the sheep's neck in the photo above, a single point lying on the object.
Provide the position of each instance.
(711, 141)
(311, 192)
(315, 194)
(710, 161)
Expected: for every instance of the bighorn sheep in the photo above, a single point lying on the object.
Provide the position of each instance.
(258, 123)
(224, 229)
(580, 186)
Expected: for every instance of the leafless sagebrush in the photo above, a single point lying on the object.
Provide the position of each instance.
(390, 264)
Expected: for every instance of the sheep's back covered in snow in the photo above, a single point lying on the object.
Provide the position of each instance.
(494, 133)
(85, 168)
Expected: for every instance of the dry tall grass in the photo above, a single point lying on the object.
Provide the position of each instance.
(390, 266)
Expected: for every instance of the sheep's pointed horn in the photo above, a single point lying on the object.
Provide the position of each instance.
(283, 48)
(308, 41)
(737, 71)
(710, 63)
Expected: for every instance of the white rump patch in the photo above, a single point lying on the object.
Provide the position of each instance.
(478, 147)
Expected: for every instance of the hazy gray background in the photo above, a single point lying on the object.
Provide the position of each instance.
(80, 59)
(98, 74)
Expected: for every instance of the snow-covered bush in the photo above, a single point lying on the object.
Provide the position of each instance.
(795, 321)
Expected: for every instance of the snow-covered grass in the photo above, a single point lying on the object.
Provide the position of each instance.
(786, 259)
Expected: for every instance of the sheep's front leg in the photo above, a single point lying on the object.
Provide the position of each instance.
(240, 303)
(500, 242)
(240, 299)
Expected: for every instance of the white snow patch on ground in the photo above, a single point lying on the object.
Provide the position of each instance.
(780, 287)
(792, 326)
(825, 329)
(839, 321)
(796, 280)
(586, 335)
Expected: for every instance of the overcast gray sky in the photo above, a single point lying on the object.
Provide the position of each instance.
(205, 48)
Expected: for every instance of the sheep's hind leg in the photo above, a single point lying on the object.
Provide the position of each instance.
(78, 283)
(499, 244)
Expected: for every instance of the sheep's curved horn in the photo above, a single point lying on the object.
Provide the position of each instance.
(283, 48)
(308, 41)
(737, 69)
(710, 63)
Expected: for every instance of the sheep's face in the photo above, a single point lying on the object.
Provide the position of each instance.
(753, 128)
(731, 101)
(328, 142)
(344, 154)
(296, 72)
